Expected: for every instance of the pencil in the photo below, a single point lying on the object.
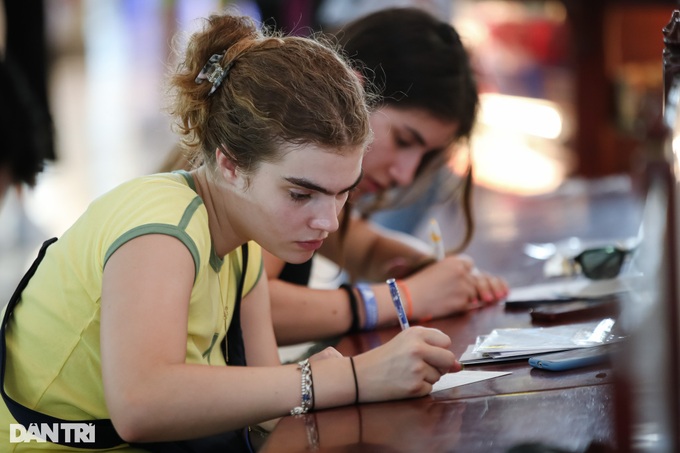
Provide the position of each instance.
(436, 238)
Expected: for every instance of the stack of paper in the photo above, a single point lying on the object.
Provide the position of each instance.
(513, 344)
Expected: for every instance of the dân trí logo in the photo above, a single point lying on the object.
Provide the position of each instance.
(52, 432)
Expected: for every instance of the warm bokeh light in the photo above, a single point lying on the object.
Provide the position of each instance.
(524, 115)
(517, 146)
(514, 166)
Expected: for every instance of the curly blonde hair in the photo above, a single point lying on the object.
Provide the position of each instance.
(277, 89)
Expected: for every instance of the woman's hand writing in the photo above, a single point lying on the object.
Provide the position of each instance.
(405, 367)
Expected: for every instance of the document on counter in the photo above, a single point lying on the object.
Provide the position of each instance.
(463, 377)
(569, 290)
(513, 344)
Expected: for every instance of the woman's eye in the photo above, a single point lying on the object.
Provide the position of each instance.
(402, 142)
(299, 197)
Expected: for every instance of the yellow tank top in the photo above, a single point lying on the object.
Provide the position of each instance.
(53, 355)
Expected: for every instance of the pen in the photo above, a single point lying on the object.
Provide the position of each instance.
(437, 242)
(396, 299)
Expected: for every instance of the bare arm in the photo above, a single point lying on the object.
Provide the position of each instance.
(152, 394)
(303, 314)
(256, 323)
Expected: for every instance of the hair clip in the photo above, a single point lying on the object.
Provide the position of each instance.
(213, 72)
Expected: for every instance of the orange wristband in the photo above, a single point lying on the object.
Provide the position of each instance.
(407, 296)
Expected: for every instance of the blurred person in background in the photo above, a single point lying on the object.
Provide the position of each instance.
(429, 103)
(25, 128)
(25, 121)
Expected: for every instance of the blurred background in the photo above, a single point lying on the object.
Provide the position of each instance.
(570, 90)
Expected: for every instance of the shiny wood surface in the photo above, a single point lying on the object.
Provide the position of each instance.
(572, 419)
(570, 410)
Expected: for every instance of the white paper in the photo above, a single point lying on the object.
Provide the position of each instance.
(463, 377)
(578, 287)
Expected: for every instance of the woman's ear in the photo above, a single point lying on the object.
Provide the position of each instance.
(226, 166)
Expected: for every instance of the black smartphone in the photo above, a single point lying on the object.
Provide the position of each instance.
(575, 309)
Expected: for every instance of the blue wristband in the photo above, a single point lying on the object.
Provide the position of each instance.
(370, 305)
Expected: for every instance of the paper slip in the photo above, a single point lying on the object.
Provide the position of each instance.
(463, 377)
(572, 289)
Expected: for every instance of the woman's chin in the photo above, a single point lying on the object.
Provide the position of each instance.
(293, 257)
(299, 258)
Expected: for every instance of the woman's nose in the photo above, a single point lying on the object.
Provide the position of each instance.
(326, 218)
(403, 170)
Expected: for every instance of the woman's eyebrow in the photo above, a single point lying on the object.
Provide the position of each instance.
(307, 184)
(421, 141)
(416, 135)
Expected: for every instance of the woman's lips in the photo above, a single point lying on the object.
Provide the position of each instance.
(310, 245)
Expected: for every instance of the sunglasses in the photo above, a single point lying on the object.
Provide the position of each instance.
(600, 263)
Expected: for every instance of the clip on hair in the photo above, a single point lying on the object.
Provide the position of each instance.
(213, 72)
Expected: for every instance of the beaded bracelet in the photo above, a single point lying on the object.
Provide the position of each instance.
(307, 387)
(353, 306)
(370, 305)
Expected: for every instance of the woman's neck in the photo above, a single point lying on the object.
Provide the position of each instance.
(218, 201)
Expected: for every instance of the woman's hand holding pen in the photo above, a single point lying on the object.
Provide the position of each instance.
(406, 366)
(452, 285)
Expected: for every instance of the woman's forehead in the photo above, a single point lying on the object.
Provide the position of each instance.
(431, 130)
(330, 169)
